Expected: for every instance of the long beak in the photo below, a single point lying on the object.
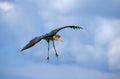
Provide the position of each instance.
(60, 39)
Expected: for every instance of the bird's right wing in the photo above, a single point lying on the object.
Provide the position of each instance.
(33, 42)
(53, 32)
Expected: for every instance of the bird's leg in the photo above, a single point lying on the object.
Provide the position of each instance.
(48, 50)
(55, 49)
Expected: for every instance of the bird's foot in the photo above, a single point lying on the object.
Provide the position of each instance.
(56, 55)
(47, 58)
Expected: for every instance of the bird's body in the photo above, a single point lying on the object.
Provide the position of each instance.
(51, 36)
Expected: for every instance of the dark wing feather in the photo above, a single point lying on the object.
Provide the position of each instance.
(53, 32)
(33, 42)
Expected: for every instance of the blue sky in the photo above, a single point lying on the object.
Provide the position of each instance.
(91, 53)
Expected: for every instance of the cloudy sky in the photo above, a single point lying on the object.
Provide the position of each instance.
(91, 53)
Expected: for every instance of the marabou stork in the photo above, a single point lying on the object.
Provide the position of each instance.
(51, 36)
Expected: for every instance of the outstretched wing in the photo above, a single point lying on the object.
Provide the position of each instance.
(53, 32)
(33, 42)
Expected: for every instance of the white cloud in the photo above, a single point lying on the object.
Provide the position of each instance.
(108, 36)
(14, 17)
(63, 6)
(104, 33)
(105, 44)
(54, 14)
(59, 6)
(114, 54)
(6, 6)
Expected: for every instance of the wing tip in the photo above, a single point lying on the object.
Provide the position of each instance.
(80, 27)
(76, 27)
(22, 49)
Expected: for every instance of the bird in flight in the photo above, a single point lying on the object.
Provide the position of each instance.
(51, 36)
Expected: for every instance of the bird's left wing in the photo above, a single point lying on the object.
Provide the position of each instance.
(33, 42)
(53, 32)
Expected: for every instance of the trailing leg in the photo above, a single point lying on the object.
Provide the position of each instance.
(56, 54)
(48, 51)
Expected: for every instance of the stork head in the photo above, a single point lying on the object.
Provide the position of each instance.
(58, 38)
